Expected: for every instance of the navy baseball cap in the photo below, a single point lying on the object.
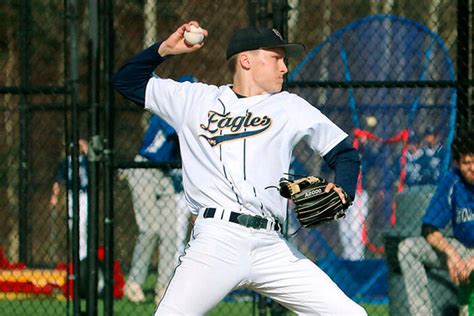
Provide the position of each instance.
(431, 130)
(251, 38)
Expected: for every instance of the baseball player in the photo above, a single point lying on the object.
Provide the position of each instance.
(453, 202)
(434, 153)
(63, 175)
(236, 141)
(414, 158)
(160, 210)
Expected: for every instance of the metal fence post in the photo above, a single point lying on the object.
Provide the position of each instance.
(72, 17)
(24, 126)
(95, 153)
(462, 51)
(108, 37)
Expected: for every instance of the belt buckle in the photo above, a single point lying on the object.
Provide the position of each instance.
(250, 221)
(256, 221)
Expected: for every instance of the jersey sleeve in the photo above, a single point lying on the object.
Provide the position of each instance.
(438, 213)
(323, 134)
(131, 79)
(173, 100)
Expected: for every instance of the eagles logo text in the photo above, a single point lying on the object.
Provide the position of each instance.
(233, 127)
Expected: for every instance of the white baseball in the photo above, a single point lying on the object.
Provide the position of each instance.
(371, 121)
(195, 36)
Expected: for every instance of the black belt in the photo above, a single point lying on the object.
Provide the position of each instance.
(251, 221)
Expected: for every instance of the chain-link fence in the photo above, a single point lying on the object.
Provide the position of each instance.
(395, 75)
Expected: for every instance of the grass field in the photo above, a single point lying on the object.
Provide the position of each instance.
(51, 307)
(238, 305)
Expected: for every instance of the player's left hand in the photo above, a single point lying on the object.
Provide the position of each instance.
(175, 44)
(316, 201)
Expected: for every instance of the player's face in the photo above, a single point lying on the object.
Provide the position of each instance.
(431, 140)
(269, 69)
(466, 166)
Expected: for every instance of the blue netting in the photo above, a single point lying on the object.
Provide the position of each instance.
(377, 48)
(382, 48)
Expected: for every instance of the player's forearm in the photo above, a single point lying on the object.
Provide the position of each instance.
(131, 79)
(437, 240)
(344, 159)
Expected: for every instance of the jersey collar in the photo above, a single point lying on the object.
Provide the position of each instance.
(229, 98)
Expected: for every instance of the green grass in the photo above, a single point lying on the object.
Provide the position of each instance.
(52, 307)
(46, 306)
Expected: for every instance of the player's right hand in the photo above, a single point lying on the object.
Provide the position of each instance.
(175, 45)
(339, 191)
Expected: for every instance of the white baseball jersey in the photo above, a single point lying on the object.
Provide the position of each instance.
(233, 148)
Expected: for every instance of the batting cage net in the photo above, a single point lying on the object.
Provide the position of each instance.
(91, 194)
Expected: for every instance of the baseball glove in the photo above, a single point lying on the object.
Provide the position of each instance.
(313, 206)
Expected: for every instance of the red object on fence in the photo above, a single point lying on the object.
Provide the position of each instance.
(18, 278)
(119, 280)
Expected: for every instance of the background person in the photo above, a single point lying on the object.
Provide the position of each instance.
(452, 202)
(64, 176)
(415, 161)
(423, 161)
(160, 209)
(433, 155)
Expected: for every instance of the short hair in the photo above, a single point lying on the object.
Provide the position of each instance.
(463, 145)
(232, 64)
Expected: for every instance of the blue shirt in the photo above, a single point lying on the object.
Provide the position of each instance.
(65, 172)
(415, 162)
(453, 201)
(160, 142)
(431, 164)
(424, 166)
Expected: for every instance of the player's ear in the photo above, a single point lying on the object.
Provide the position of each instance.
(244, 60)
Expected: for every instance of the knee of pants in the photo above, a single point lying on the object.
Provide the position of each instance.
(464, 310)
(405, 249)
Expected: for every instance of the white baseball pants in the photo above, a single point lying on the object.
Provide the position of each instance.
(82, 221)
(223, 256)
